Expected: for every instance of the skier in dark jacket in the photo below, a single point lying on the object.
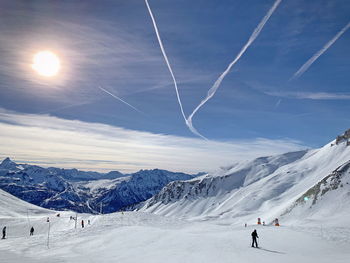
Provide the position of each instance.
(31, 231)
(4, 232)
(254, 237)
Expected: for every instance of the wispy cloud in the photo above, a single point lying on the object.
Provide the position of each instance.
(52, 141)
(92, 53)
(312, 95)
(217, 83)
(308, 63)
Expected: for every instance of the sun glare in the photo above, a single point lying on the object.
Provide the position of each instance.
(46, 63)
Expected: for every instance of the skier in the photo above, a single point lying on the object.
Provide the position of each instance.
(4, 232)
(89, 222)
(254, 237)
(31, 231)
(82, 223)
(245, 225)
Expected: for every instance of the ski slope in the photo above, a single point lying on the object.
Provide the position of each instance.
(13, 207)
(144, 237)
(266, 188)
(202, 220)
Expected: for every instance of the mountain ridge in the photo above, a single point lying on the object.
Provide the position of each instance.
(81, 191)
(269, 190)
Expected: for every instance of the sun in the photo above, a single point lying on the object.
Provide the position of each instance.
(46, 63)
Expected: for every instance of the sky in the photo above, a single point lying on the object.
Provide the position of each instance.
(113, 104)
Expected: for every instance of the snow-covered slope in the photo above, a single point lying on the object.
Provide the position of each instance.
(266, 187)
(328, 201)
(134, 237)
(234, 177)
(11, 206)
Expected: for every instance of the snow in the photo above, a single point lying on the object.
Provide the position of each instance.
(237, 196)
(96, 185)
(208, 225)
(81, 191)
(14, 207)
(132, 237)
(142, 237)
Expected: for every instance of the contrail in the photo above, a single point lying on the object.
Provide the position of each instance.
(278, 103)
(189, 124)
(251, 39)
(116, 97)
(308, 63)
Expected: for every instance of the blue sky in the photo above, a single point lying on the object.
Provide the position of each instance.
(112, 44)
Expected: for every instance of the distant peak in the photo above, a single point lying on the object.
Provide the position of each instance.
(8, 163)
(7, 160)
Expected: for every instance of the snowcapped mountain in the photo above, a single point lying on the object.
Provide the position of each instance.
(234, 177)
(129, 190)
(329, 198)
(71, 189)
(267, 187)
(308, 190)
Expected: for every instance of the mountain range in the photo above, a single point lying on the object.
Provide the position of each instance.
(80, 191)
(306, 186)
(310, 185)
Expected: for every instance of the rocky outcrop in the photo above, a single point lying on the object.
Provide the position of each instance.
(343, 138)
(331, 182)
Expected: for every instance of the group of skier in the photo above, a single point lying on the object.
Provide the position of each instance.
(4, 229)
(31, 233)
(31, 230)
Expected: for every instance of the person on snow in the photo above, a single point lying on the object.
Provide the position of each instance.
(82, 223)
(31, 233)
(4, 232)
(254, 237)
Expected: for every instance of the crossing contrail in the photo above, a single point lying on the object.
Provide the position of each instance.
(308, 63)
(189, 124)
(217, 83)
(116, 97)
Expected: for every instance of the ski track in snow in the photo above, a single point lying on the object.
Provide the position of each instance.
(143, 237)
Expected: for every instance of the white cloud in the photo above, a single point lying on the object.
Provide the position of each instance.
(312, 95)
(51, 141)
